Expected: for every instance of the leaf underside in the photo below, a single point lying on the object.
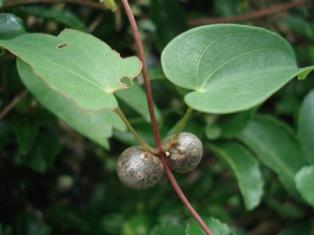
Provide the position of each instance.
(96, 125)
(229, 67)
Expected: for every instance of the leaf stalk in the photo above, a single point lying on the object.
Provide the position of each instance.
(132, 130)
(183, 121)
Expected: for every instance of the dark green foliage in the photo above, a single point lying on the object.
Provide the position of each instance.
(59, 149)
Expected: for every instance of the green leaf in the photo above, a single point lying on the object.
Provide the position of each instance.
(26, 133)
(63, 16)
(306, 124)
(95, 125)
(215, 226)
(305, 184)
(277, 147)
(232, 124)
(306, 228)
(169, 229)
(76, 65)
(224, 75)
(245, 168)
(169, 20)
(10, 26)
(135, 97)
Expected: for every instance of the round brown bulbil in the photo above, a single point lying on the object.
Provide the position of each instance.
(185, 153)
(139, 169)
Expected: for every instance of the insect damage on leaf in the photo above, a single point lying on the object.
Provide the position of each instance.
(88, 71)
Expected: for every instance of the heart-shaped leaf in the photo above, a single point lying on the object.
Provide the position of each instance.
(77, 65)
(229, 67)
(96, 125)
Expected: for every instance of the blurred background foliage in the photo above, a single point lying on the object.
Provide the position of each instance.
(54, 181)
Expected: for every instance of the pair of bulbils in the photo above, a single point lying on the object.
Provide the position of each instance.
(140, 169)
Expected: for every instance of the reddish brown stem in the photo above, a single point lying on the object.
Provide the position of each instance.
(176, 187)
(250, 15)
(170, 176)
(141, 54)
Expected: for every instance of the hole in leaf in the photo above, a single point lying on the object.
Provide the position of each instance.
(62, 45)
(126, 81)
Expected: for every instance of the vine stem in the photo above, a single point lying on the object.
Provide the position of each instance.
(132, 130)
(170, 176)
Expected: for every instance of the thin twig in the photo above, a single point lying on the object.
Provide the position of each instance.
(283, 7)
(11, 105)
(170, 176)
(95, 23)
(88, 3)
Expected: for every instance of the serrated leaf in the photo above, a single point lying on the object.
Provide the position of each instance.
(276, 146)
(229, 67)
(76, 65)
(95, 125)
(10, 26)
(216, 227)
(245, 168)
(63, 16)
(305, 184)
(306, 126)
